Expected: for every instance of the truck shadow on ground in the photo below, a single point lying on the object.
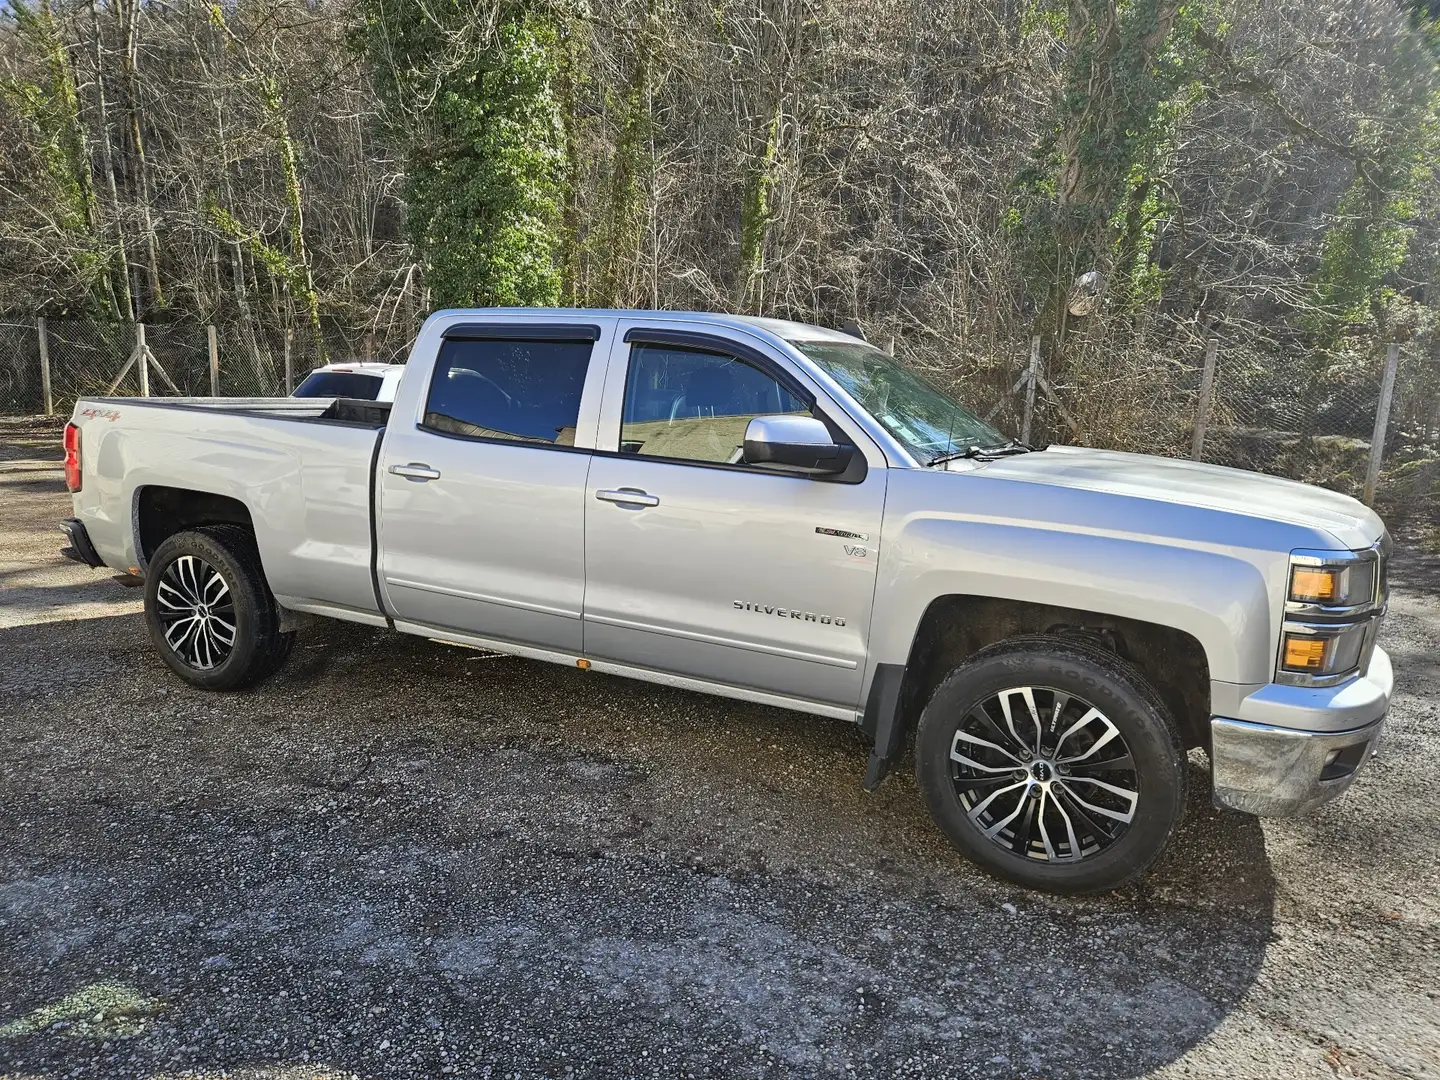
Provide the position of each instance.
(399, 859)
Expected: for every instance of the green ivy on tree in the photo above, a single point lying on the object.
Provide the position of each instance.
(473, 108)
(1094, 189)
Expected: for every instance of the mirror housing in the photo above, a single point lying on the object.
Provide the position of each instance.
(797, 444)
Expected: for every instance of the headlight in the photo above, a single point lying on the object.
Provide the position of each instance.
(1333, 601)
(1345, 584)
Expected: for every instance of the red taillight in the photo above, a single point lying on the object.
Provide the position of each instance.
(72, 457)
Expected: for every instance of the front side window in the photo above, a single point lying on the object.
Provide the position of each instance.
(693, 405)
(925, 420)
(526, 391)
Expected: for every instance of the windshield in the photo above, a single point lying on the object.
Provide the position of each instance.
(347, 384)
(925, 420)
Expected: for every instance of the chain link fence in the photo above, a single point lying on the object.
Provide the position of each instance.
(1289, 413)
(1286, 412)
(88, 358)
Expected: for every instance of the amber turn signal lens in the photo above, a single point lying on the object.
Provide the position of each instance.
(1305, 653)
(1310, 585)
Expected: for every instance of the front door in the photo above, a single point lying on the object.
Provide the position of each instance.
(482, 488)
(700, 565)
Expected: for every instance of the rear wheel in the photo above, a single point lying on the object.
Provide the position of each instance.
(209, 610)
(1052, 764)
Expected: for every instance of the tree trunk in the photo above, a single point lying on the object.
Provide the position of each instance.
(290, 170)
(756, 214)
(129, 14)
(124, 301)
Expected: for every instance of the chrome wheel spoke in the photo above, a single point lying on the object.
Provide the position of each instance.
(1123, 763)
(1027, 694)
(1102, 829)
(215, 589)
(1050, 852)
(993, 830)
(185, 573)
(172, 597)
(964, 736)
(1020, 838)
(185, 627)
(1076, 852)
(1089, 717)
(1130, 798)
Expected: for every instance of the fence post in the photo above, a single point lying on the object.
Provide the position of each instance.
(214, 346)
(1382, 421)
(45, 367)
(1031, 379)
(1202, 408)
(289, 373)
(143, 352)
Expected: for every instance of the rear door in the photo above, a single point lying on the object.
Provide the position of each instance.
(702, 566)
(481, 484)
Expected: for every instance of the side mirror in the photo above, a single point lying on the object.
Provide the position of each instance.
(799, 444)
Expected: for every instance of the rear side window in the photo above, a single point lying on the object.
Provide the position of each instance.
(526, 391)
(349, 384)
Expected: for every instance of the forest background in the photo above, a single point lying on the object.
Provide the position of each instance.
(1106, 185)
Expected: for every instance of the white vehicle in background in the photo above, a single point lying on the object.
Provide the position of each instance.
(373, 382)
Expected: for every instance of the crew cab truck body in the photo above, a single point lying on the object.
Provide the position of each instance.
(780, 513)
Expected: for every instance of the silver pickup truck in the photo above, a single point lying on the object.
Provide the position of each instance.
(779, 513)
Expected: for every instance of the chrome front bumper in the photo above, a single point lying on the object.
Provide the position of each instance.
(1279, 772)
(1285, 750)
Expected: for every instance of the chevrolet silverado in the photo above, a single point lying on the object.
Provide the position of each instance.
(779, 513)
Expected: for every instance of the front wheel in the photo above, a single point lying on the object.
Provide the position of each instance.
(1052, 764)
(209, 610)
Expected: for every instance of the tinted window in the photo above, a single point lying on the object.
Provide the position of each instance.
(523, 390)
(694, 406)
(351, 384)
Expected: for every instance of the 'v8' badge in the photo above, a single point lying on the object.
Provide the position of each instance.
(856, 550)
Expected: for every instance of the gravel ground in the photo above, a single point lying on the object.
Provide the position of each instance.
(399, 859)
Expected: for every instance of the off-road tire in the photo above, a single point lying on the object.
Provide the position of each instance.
(1089, 674)
(260, 646)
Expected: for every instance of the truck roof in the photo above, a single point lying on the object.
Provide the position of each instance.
(783, 328)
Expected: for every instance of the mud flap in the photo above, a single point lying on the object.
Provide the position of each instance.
(882, 722)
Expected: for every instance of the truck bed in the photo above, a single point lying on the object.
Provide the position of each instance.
(299, 469)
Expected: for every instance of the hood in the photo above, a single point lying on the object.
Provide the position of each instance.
(1189, 483)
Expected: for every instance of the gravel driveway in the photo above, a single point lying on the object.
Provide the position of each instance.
(399, 859)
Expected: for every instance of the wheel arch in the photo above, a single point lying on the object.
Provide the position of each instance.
(159, 512)
(956, 626)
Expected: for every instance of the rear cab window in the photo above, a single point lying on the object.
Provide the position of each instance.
(525, 391)
(346, 384)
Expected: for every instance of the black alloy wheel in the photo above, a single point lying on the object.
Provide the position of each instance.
(1052, 763)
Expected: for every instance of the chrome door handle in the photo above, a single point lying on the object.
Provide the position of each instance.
(417, 471)
(628, 497)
